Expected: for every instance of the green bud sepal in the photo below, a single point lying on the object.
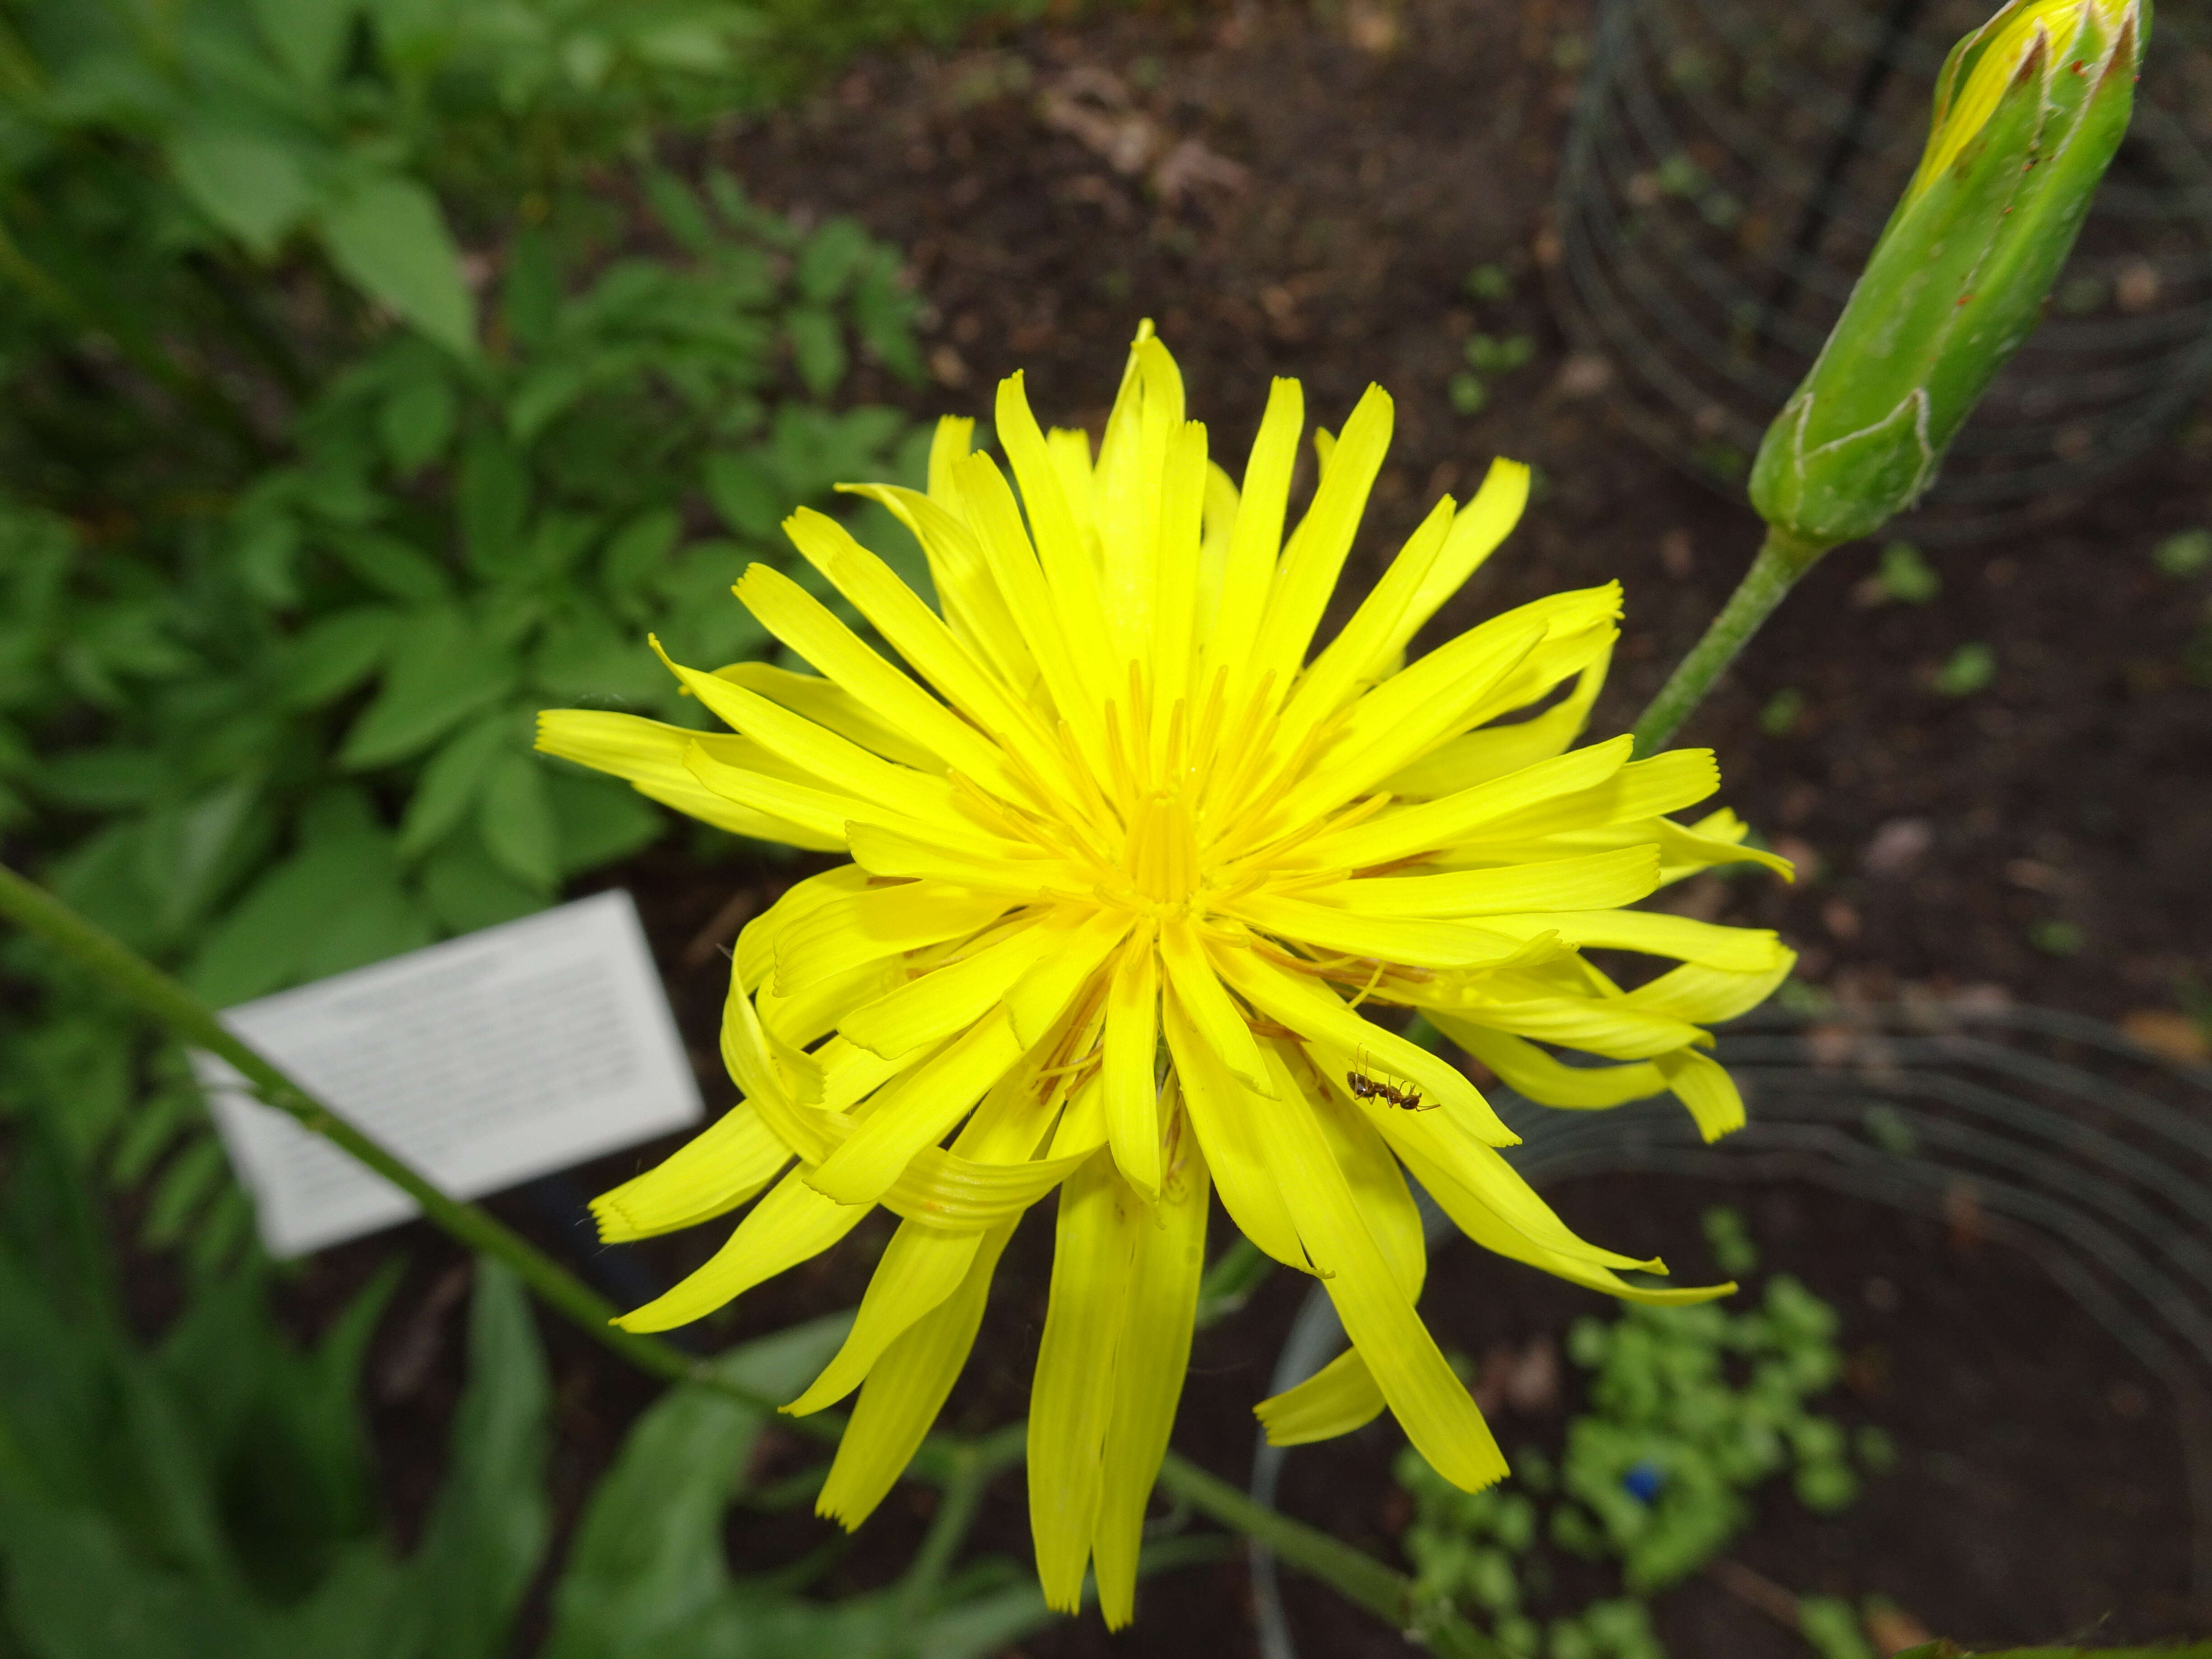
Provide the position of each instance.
(2028, 112)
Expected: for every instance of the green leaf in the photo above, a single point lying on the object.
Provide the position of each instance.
(417, 422)
(488, 1525)
(581, 656)
(309, 36)
(465, 890)
(530, 298)
(648, 1556)
(493, 499)
(599, 820)
(516, 821)
(389, 237)
(102, 780)
(337, 652)
(442, 673)
(450, 784)
(250, 184)
(190, 1177)
(818, 348)
(677, 207)
(750, 498)
(634, 554)
(277, 933)
(390, 565)
(265, 557)
(828, 261)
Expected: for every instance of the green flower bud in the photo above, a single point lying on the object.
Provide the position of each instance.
(2029, 110)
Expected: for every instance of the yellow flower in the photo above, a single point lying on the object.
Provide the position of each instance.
(1125, 866)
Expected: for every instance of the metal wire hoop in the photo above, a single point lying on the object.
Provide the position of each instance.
(1729, 167)
(2088, 1154)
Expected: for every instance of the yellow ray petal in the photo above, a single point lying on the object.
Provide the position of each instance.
(1620, 1027)
(835, 761)
(921, 1266)
(1339, 1397)
(949, 444)
(1426, 1141)
(1642, 789)
(1316, 555)
(1740, 949)
(724, 1165)
(1228, 1126)
(1131, 1102)
(988, 507)
(1168, 1262)
(1070, 1402)
(813, 1010)
(831, 707)
(1316, 1012)
(1213, 1015)
(891, 850)
(803, 622)
(1071, 459)
(1482, 523)
(1249, 576)
(1495, 750)
(792, 1222)
(905, 1390)
(1414, 943)
(1045, 994)
(1709, 996)
(1220, 526)
(848, 929)
(1487, 1229)
(1702, 1084)
(948, 998)
(1071, 580)
(1348, 664)
(1523, 1068)
(822, 812)
(1401, 833)
(1370, 1170)
(1430, 1403)
(649, 757)
(917, 634)
(1599, 881)
(975, 609)
(916, 1111)
(755, 957)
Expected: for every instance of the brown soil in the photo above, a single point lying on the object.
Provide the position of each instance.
(1296, 192)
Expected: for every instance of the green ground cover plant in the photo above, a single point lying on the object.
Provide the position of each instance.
(209, 1495)
(1689, 1412)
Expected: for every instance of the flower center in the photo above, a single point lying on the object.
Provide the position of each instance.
(1160, 856)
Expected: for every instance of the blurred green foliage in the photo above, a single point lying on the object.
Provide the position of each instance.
(368, 385)
(209, 1495)
(1690, 1413)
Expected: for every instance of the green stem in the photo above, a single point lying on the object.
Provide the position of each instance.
(959, 1463)
(948, 1530)
(192, 1022)
(1353, 1574)
(1783, 558)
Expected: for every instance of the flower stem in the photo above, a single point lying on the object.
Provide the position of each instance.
(1783, 558)
(1353, 1574)
(192, 1022)
(962, 1465)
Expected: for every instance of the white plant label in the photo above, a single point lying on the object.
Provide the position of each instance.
(480, 1062)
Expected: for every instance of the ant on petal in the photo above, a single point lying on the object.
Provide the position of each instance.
(1365, 1087)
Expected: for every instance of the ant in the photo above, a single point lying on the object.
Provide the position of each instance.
(1407, 1099)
